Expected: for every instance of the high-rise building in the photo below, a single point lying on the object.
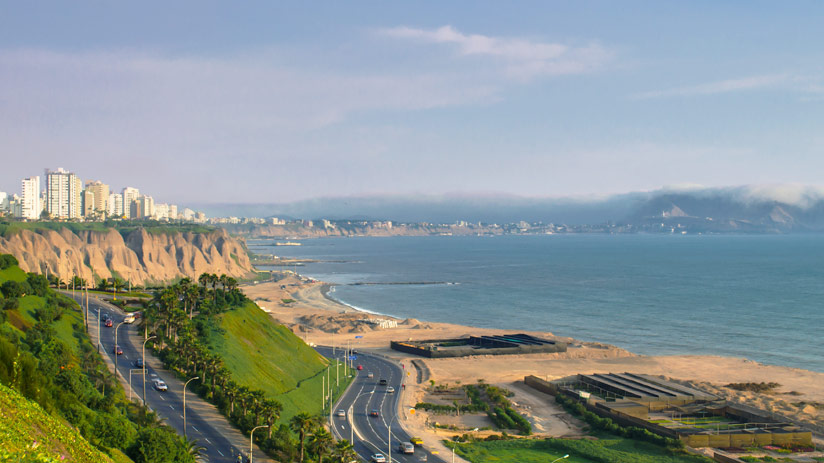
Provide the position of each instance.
(130, 195)
(63, 191)
(172, 212)
(4, 201)
(30, 206)
(87, 198)
(115, 208)
(101, 196)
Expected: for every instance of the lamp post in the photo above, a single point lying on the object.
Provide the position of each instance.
(115, 346)
(144, 367)
(352, 417)
(558, 459)
(252, 441)
(184, 403)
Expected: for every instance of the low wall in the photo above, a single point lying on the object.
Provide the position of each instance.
(410, 348)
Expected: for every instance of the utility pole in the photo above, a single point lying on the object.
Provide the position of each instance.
(322, 392)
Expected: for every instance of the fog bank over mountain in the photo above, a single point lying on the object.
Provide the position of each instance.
(798, 207)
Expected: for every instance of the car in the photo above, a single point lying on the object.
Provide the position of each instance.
(390, 390)
(138, 363)
(160, 385)
(416, 441)
(118, 350)
(383, 382)
(360, 367)
(340, 413)
(108, 323)
(406, 447)
(377, 458)
(105, 316)
(129, 319)
(370, 375)
(374, 413)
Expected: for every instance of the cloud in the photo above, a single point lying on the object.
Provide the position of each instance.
(524, 58)
(723, 86)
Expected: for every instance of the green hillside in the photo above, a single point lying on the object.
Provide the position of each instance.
(28, 433)
(265, 355)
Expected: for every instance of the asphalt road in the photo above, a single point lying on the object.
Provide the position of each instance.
(169, 404)
(371, 434)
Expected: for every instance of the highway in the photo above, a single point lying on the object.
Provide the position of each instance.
(371, 434)
(169, 404)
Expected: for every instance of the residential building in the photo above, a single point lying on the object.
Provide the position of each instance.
(115, 205)
(87, 198)
(101, 196)
(172, 212)
(130, 195)
(30, 205)
(4, 201)
(63, 191)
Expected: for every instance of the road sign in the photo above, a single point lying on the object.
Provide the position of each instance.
(358, 337)
(353, 357)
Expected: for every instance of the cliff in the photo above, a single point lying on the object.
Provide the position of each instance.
(138, 256)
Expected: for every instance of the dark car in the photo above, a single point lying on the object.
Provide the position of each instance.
(105, 316)
(109, 323)
(374, 413)
(138, 363)
(382, 382)
(118, 350)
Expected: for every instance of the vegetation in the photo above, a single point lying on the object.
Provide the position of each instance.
(485, 398)
(47, 358)
(124, 227)
(761, 387)
(609, 449)
(254, 370)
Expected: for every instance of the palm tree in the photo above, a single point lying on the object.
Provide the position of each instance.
(271, 413)
(301, 424)
(194, 449)
(321, 443)
(344, 452)
(231, 390)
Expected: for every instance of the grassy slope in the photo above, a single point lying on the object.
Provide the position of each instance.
(263, 354)
(611, 449)
(12, 273)
(23, 422)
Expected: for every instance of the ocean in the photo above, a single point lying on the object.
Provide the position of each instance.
(758, 297)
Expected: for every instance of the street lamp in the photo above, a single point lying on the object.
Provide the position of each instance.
(184, 403)
(144, 367)
(562, 458)
(115, 346)
(352, 417)
(252, 441)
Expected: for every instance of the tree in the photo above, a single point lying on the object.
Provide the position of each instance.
(159, 444)
(271, 412)
(7, 260)
(344, 452)
(321, 443)
(301, 424)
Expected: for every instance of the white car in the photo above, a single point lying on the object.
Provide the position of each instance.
(370, 375)
(340, 413)
(160, 385)
(129, 318)
(378, 458)
(390, 390)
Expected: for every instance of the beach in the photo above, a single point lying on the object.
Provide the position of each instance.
(304, 306)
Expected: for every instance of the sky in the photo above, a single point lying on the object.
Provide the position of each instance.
(202, 101)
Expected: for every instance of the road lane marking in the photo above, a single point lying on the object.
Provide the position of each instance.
(161, 398)
(207, 440)
(193, 427)
(218, 451)
(170, 406)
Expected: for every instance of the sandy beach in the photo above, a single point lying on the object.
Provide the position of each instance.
(303, 306)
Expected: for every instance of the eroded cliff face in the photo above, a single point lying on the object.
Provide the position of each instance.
(139, 257)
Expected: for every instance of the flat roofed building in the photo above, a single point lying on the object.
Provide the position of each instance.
(63, 191)
(30, 205)
(130, 195)
(100, 190)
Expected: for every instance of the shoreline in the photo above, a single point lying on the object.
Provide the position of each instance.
(318, 317)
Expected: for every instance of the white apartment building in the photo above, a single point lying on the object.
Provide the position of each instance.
(4, 201)
(100, 191)
(115, 205)
(30, 205)
(161, 211)
(130, 195)
(63, 190)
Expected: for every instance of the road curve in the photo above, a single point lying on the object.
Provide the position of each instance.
(371, 434)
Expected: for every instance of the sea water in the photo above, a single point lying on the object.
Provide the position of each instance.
(759, 297)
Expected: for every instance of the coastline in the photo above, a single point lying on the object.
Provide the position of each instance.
(319, 318)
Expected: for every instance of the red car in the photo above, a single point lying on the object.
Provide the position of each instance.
(374, 413)
(118, 350)
(360, 367)
(109, 323)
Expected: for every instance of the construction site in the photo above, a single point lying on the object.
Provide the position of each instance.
(507, 344)
(674, 410)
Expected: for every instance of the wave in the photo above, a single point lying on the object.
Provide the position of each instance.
(329, 296)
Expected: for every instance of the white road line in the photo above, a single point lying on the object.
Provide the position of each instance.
(218, 451)
(193, 427)
(207, 440)
(161, 397)
(170, 406)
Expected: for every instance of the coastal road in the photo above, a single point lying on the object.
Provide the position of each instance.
(371, 434)
(203, 425)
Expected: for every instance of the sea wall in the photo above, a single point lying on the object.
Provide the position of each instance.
(139, 256)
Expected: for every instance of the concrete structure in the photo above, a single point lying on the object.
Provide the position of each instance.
(130, 195)
(115, 205)
(63, 190)
(30, 205)
(87, 198)
(479, 345)
(4, 201)
(672, 410)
